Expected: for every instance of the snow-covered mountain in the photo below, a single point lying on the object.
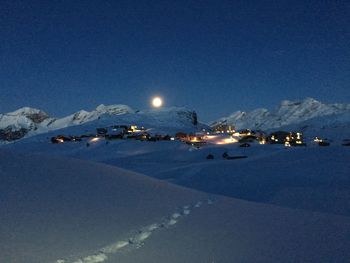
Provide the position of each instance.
(288, 113)
(27, 122)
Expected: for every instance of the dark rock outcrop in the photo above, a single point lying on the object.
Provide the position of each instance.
(9, 135)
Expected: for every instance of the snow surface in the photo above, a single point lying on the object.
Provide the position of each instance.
(64, 210)
(313, 178)
(288, 113)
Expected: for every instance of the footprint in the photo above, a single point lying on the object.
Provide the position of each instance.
(176, 215)
(172, 222)
(186, 211)
(115, 247)
(93, 259)
(137, 240)
(153, 227)
(142, 236)
(199, 204)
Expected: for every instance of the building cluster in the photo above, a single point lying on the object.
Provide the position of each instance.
(220, 135)
(287, 138)
(115, 132)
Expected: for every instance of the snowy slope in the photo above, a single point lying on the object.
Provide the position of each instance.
(333, 127)
(54, 208)
(71, 211)
(288, 113)
(28, 122)
(311, 177)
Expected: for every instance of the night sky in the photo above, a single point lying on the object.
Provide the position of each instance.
(212, 56)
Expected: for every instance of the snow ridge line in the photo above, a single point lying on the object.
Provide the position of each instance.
(137, 240)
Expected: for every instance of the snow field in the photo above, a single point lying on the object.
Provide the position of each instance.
(137, 240)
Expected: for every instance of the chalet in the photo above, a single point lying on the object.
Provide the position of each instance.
(142, 136)
(321, 142)
(62, 139)
(245, 132)
(248, 138)
(346, 142)
(134, 128)
(228, 157)
(224, 128)
(286, 138)
(116, 132)
(181, 136)
(101, 132)
(278, 137)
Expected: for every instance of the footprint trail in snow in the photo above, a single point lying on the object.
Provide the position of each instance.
(137, 240)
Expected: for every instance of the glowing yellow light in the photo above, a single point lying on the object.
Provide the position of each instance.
(263, 141)
(195, 139)
(94, 139)
(227, 141)
(60, 140)
(287, 144)
(210, 137)
(157, 102)
(298, 135)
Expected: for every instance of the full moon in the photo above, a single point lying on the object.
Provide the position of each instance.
(157, 102)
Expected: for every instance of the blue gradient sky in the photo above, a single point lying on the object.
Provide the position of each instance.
(211, 56)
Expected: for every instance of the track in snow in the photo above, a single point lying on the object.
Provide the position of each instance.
(137, 240)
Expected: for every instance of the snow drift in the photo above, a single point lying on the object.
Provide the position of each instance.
(72, 211)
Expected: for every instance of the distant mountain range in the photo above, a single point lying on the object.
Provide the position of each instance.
(308, 115)
(26, 122)
(297, 114)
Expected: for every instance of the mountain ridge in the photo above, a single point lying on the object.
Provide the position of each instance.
(286, 114)
(26, 121)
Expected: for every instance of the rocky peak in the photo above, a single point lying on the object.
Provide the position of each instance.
(288, 112)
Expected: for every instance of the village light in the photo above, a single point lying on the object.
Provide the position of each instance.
(263, 141)
(298, 135)
(210, 137)
(227, 141)
(94, 139)
(317, 139)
